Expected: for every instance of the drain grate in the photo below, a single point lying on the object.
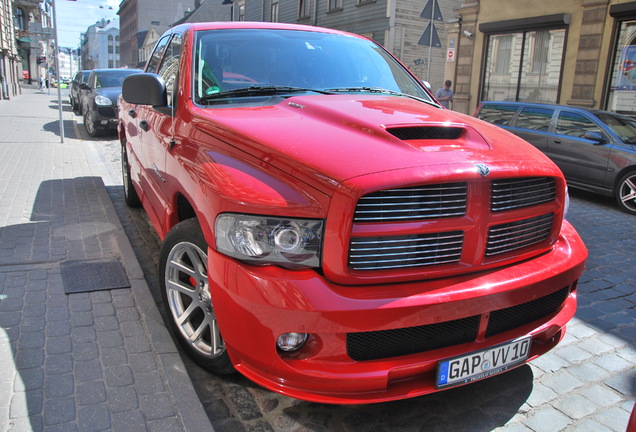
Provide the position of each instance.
(95, 275)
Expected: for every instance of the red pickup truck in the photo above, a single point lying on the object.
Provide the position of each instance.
(329, 230)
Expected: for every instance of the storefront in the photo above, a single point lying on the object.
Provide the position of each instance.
(574, 52)
(621, 92)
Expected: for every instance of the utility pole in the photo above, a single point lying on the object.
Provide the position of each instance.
(57, 70)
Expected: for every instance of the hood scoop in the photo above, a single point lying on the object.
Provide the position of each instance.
(427, 132)
(439, 137)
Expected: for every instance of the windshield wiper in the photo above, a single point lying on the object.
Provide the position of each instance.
(259, 91)
(379, 90)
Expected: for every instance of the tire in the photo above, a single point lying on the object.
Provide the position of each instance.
(130, 194)
(626, 193)
(88, 123)
(186, 297)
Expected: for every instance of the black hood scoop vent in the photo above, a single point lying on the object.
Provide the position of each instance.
(427, 132)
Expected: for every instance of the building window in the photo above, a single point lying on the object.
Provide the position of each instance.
(622, 91)
(335, 5)
(303, 9)
(524, 66)
(19, 20)
(274, 12)
(241, 11)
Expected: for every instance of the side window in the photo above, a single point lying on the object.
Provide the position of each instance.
(535, 118)
(157, 53)
(169, 69)
(575, 125)
(497, 114)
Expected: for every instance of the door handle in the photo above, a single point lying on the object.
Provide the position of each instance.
(144, 125)
(556, 141)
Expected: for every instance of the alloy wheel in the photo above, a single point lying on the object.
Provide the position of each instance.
(189, 300)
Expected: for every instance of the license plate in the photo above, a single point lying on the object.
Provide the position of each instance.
(482, 364)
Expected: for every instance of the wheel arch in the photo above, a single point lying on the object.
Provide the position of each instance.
(619, 176)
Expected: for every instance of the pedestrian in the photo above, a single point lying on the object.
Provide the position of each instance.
(444, 95)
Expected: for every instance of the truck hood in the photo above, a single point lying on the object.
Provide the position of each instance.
(326, 140)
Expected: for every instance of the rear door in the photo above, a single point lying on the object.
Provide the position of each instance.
(533, 124)
(581, 160)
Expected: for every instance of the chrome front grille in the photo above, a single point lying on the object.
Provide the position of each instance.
(508, 194)
(516, 235)
(382, 253)
(413, 203)
(452, 223)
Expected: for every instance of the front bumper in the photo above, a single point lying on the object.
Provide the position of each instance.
(105, 117)
(254, 305)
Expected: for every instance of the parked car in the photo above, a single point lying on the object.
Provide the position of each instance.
(596, 150)
(98, 97)
(328, 229)
(73, 92)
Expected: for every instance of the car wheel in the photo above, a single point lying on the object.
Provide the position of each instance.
(130, 194)
(626, 193)
(186, 296)
(88, 123)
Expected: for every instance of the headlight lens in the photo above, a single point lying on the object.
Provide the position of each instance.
(292, 243)
(567, 203)
(102, 100)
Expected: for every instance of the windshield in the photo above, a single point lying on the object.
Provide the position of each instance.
(114, 78)
(227, 60)
(623, 126)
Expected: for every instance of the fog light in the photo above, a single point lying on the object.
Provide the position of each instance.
(291, 341)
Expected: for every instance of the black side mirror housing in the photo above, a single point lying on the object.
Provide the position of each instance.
(145, 89)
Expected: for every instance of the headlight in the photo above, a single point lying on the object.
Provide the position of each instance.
(102, 100)
(566, 207)
(293, 243)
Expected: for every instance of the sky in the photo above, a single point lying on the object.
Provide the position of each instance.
(74, 17)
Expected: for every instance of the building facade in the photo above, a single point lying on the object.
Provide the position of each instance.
(137, 16)
(100, 45)
(9, 58)
(415, 31)
(571, 52)
(25, 25)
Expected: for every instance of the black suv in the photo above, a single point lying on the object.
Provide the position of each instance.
(596, 150)
(98, 96)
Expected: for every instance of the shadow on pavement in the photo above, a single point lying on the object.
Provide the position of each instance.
(43, 343)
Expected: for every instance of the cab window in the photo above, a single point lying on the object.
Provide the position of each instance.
(157, 53)
(575, 125)
(497, 114)
(170, 67)
(535, 118)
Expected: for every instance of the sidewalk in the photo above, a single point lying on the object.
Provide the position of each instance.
(82, 344)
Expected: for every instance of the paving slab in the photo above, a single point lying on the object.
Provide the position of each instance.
(93, 359)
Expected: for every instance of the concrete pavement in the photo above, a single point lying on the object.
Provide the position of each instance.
(82, 344)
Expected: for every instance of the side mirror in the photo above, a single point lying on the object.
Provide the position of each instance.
(595, 136)
(84, 86)
(145, 89)
(427, 85)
